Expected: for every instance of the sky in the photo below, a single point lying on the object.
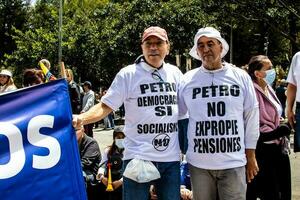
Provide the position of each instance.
(32, 2)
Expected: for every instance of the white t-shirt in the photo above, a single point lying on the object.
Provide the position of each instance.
(223, 116)
(5, 88)
(151, 115)
(294, 74)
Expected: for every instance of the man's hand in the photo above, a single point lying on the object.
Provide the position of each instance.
(185, 194)
(291, 118)
(77, 122)
(290, 100)
(79, 134)
(251, 166)
(117, 184)
(104, 181)
(152, 191)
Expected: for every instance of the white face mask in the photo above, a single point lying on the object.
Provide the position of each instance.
(119, 143)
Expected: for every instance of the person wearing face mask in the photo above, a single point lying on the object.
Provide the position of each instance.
(273, 180)
(113, 155)
(6, 81)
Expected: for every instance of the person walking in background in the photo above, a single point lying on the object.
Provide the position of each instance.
(74, 92)
(109, 119)
(293, 97)
(97, 100)
(223, 125)
(6, 81)
(273, 180)
(281, 94)
(88, 101)
(151, 127)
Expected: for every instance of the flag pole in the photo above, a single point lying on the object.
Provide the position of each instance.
(60, 34)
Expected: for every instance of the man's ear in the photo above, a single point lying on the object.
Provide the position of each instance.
(197, 51)
(169, 47)
(257, 74)
(221, 46)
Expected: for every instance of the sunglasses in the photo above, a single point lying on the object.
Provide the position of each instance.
(156, 75)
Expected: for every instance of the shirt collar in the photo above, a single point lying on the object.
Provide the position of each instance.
(148, 67)
(223, 68)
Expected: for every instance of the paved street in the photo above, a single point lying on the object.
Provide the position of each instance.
(104, 138)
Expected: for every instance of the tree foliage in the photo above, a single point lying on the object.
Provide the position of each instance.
(100, 36)
(13, 14)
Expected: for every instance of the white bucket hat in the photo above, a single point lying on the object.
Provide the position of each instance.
(211, 33)
(6, 72)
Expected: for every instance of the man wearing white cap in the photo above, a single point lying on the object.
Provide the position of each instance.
(293, 96)
(148, 88)
(6, 81)
(223, 121)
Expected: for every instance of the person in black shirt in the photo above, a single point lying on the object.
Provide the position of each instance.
(90, 157)
(74, 92)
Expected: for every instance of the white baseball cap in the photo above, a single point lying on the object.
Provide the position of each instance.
(6, 72)
(211, 33)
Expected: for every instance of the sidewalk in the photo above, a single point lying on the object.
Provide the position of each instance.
(104, 138)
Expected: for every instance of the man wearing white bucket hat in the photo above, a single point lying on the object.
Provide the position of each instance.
(223, 121)
(6, 81)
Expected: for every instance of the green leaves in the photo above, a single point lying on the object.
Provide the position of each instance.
(100, 36)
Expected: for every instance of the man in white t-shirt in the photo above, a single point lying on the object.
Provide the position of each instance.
(88, 102)
(223, 121)
(293, 95)
(148, 88)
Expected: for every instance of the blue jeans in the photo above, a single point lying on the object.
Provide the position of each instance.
(297, 133)
(167, 186)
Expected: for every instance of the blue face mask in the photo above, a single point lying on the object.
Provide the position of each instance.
(270, 76)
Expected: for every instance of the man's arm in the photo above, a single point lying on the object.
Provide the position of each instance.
(291, 95)
(251, 136)
(251, 166)
(96, 113)
(251, 122)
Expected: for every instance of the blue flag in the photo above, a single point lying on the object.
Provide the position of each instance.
(39, 157)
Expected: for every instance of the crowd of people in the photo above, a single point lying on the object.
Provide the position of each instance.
(216, 132)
